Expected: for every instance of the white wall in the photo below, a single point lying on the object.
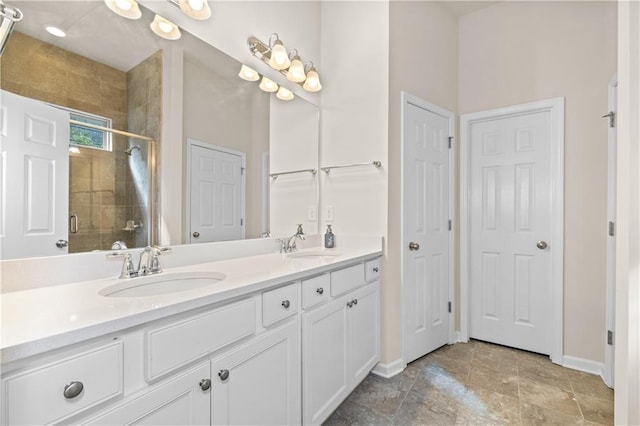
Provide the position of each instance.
(517, 52)
(627, 396)
(423, 61)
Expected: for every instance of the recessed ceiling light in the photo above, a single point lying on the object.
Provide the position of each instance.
(55, 31)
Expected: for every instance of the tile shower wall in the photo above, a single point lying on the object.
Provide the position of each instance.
(98, 180)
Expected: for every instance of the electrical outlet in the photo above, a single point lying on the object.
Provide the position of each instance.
(312, 213)
(329, 214)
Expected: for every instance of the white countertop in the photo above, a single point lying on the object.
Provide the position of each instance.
(41, 319)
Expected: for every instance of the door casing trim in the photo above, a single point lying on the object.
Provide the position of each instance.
(405, 100)
(556, 107)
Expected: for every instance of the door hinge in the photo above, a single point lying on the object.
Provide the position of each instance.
(609, 337)
(449, 307)
(612, 229)
(450, 225)
(612, 118)
(241, 221)
(241, 171)
(450, 141)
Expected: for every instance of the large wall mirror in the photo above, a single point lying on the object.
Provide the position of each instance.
(238, 143)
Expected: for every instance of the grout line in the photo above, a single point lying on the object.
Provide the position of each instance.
(575, 396)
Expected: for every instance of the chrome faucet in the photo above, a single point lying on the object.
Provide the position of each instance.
(148, 263)
(289, 244)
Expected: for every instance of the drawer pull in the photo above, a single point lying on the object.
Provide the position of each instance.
(376, 269)
(286, 304)
(350, 304)
(205, 384)
(355, 301)
(223, 374)
(320, 290)
(73, 389)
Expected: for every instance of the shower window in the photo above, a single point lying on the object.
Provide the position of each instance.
(89, 137)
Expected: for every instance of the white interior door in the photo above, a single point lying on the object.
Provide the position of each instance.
(510, 229)
(609, 355)
(216, 194)
(425, 228)
(34, 177)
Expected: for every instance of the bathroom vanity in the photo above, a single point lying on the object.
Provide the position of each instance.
(275, 338)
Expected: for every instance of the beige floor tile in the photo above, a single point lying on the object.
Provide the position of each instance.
(550, 397)
(481, 406)
(492, 380)
(595, 409)
(554, 376)
(589, 384)
(534, 415)
(425, 408)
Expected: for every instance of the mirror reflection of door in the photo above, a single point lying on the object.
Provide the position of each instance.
(216, 193)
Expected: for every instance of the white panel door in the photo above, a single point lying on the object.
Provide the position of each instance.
(34, 177)
(509, 217)
(216, 195)
(425, 240)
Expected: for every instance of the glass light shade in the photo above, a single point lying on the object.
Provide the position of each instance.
(268, 85)
(196, 9)
(126, 8)
(312, 83)
(284, 94)
(296, 71)
(55, 31)
(165, 28)
(279, 57)
(8, 17)
(248, 74)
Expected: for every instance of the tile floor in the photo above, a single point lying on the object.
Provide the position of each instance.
(479, 383)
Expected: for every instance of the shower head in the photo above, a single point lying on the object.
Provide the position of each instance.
(130, 150)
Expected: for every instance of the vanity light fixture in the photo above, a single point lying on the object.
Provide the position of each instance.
(9, 15)
(165, 28)
(279, 59)
(248, 74)
(196, 9)
(284, 94)
(312, 83)
(268, 85)
(126, 8)
(294, 71)
(55, 31)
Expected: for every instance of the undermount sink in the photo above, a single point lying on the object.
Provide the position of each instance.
(153, 285)
(315, 253)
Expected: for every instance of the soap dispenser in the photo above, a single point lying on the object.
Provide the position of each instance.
(329, 238)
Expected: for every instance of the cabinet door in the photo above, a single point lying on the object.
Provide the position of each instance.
(363, 332)
(324, 360)
(259, 383)
(179, 401)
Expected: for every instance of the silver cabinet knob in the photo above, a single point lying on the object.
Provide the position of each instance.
(349, 304)
(542, 245)
(62, 243)
(414, 246)
(205, 384)
(320, 290)
(223, 374)
(73, 389)
(376, 269)
(355, 301)
(286, 304)
(196, 234)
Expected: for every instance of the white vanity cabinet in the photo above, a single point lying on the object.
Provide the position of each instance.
(259, 383)
(181, 400)
(340, 341)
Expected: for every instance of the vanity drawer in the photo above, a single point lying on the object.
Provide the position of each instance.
(346, 279)
(90, 377)
(175, 344)
(279, 304)
(315, 290)
(372, 270)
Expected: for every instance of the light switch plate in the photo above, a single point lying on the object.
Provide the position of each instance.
(329, 214)
(312, 213)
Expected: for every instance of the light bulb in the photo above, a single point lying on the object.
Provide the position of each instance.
(248, 74)
(284, 94)
(196, 9)
(126, 8)
(268, 85)
(55, 31)
(312, 83)
(279, 57)
(296, 71)
(165, 28)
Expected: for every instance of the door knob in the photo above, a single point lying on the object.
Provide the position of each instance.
(542, 245)
(414, 246)
(196, 234)
(62, 243)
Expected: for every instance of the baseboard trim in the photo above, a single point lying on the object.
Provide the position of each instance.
(585, 365)
(389, 370)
